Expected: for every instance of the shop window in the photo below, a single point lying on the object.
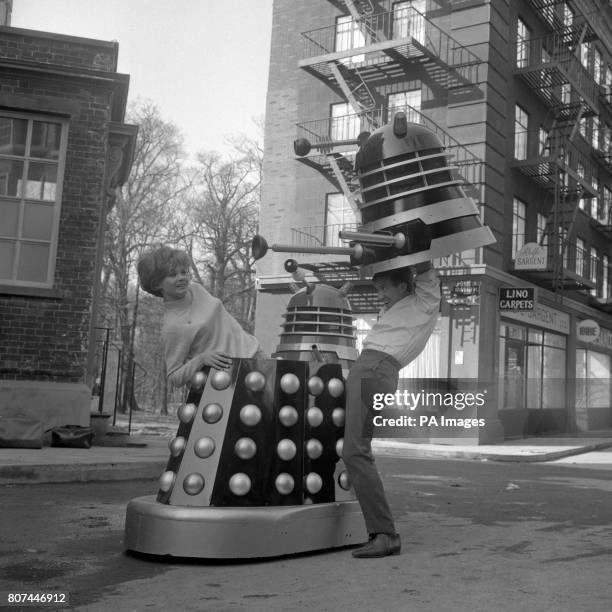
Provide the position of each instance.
(593, 375)
(32, 152)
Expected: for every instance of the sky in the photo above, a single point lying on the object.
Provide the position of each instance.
(203, 62)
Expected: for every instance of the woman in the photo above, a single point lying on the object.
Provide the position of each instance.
(197, 332)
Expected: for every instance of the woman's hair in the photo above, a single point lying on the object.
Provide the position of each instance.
(397, 276)
(155, 265)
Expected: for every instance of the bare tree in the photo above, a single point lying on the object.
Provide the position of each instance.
(223, 209)
(142, 212)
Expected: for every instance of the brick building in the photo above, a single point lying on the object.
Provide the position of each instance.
(519, 92)
(64, 147)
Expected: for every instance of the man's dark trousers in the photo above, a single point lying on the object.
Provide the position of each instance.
(373, 372)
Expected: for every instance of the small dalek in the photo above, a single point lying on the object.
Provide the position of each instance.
(318, 324)
(255, 469)
(413, 207)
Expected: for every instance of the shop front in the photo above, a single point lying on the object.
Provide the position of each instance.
(593, 376)
(533, 348)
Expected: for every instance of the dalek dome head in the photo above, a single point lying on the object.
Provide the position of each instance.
(321, 296)
(318, 325)
(395, 139)
(403, 166)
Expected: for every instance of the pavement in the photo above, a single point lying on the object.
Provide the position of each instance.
(130, 457)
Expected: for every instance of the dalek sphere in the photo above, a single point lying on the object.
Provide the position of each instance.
(318, 326)
(410, 191)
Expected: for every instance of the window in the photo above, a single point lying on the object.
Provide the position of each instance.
(521, 123)
(594, 203)
(595, 133)
(603, 215)
(598, 73)
(344, 123)
(563, 245)
(607, 82)
(542, 236)
(409, 20)
(594, 270)
(338, 216)
(408, 102)
(349, 36)
(580, 257)
(519, 213)
(32, 151)
(544, 140)
(585, 54)
(522, 44)
(605, 277)
(568, 16)
(583, 127)
(566, 94)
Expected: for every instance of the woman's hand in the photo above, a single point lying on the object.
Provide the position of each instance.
(216, 359)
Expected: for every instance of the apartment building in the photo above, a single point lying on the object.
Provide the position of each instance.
(520, 93)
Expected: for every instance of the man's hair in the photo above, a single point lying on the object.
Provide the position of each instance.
(397, 276)
(158, 263)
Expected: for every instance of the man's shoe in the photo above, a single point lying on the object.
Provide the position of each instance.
(381, 545)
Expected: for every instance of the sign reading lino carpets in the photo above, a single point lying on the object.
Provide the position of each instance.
(516, 298)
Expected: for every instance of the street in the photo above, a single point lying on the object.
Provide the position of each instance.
(477, 536)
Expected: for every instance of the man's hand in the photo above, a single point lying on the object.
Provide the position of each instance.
(215, 359)
(423, 267)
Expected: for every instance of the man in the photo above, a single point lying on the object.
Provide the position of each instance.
(404, 325)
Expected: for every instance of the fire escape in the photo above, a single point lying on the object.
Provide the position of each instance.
(354, 58)
(554, 158)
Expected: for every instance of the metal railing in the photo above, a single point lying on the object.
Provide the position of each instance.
(324, 133)
(545, 54)
(321, 235)
(574, 258)
(354, 37)
(558, 153)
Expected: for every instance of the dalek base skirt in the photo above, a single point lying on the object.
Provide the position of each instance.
(240, 533)
(255, 469)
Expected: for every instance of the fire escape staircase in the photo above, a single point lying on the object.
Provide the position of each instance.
(552, 69)
(391, 44)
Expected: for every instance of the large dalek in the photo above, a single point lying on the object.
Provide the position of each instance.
(255, 468)
(413, 207)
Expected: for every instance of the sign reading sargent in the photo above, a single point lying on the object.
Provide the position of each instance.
(516, 298)
(543, 316)
(531, 257)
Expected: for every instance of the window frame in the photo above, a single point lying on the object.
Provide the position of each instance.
(518, 221)
(13, 284)
(521, 140)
